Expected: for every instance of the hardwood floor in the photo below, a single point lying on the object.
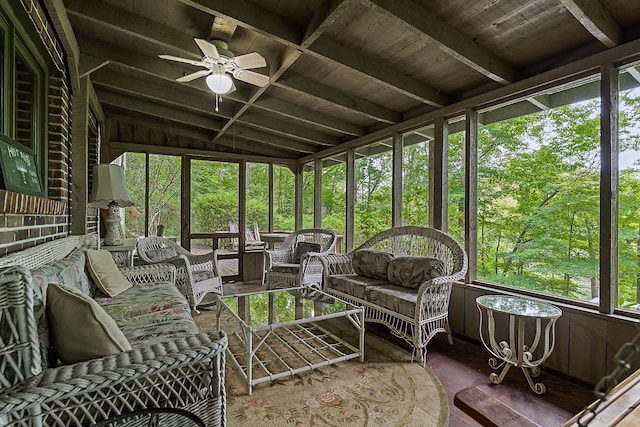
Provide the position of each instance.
(465, 365)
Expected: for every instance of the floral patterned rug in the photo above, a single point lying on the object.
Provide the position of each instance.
(385, 390)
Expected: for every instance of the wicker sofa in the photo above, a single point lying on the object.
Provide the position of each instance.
(169, 363)
(403, 278)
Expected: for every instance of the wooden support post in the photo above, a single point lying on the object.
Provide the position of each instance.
(471, 193)
(350, 202)
(439, 176)
(609, 189)
(317, 194)
(396, 181)
(298, 196)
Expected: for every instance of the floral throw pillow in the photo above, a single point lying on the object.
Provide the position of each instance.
(413, 271)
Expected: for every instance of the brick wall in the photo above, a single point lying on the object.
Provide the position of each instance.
(29, 220)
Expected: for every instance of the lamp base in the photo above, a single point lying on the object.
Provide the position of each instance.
(113, 237)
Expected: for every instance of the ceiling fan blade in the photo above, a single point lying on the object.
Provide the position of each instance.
(251, 77)
(250, 60)
(185, 60)
(193, 76)
(208, 49)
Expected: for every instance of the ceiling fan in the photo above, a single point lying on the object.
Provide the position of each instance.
(220, 63)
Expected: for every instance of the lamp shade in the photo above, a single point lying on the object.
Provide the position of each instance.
(109, 185)
(219, 83)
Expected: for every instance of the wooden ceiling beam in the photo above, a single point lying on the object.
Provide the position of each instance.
(373, 69)
(219, 155)
(103, 14)
(153, 109)
(155, 92)
(165, 71)
(148, 65)
(311, 117)
(117, 114)
(339, 99)
(188, 132)
(254, 133)
(421, 21)
(275, 27)
(596, 19)
(253, 18)
(90, 64)
(289, 130)
(322, 19)
(159, 92)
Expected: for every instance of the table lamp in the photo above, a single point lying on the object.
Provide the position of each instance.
(110, 192)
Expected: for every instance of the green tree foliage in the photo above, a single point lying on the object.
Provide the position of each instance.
(164, 194)
(538, 198)
(415, 184)
(538, 202)
(334, 184)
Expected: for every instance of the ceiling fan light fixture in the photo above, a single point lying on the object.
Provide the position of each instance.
(219, 83)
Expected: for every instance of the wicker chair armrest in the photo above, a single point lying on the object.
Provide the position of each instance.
(336, 264)
(278, 255)
(180, 261)
(105, 376)
(150, 273)
(203, 261)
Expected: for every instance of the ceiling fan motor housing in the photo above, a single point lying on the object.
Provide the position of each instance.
(223, 48)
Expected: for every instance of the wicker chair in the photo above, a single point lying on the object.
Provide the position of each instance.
(431, 311)
(196, 275)
(293, 265)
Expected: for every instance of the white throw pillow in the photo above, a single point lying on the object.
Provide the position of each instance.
(105, 273)
(81, 329)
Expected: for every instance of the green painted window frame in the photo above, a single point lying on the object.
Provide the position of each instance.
(25, 41)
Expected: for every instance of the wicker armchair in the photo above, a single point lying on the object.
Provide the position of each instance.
(296, 262)
(196, 275)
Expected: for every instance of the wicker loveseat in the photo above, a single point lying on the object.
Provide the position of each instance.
(403, 278)
(170, 364)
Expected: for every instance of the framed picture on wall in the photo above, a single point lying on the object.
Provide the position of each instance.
(19, 169)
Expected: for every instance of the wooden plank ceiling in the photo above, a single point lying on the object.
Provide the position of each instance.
(338, 69)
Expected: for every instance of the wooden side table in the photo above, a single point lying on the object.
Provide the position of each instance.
(123, 254)
(515, 350)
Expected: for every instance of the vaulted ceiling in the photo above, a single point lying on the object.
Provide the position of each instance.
(338, 69)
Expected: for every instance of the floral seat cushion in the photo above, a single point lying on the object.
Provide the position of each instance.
(150, 313)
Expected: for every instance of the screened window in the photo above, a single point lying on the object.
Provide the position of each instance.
(539, 192)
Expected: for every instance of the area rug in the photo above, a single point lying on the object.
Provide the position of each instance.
(385, 390)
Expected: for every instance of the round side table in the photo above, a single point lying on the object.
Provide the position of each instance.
(516, 350)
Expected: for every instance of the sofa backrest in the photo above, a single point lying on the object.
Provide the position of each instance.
(420, 241)
(49, 252)
(24, 337)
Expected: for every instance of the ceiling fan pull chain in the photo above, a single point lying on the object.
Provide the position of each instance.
(217, 102)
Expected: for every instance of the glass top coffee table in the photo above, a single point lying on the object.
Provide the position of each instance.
(272, 336)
